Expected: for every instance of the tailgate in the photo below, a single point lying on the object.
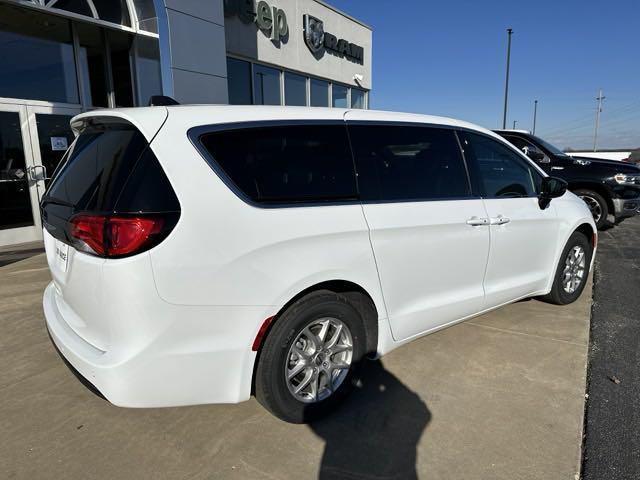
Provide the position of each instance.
(96, 171)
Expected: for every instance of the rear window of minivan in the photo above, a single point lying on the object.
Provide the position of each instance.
(109, 169)
(285, 164)
(99, 162)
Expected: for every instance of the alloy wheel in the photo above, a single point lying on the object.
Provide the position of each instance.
(574, 269)
(319, 360)
(594, 206)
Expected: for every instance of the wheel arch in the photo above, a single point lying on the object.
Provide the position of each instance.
(585, 227)
(596, 187)
(588, 231)
(357, 295)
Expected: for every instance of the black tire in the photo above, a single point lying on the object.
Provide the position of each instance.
(558, 295)
(589, 197)
(270, 385)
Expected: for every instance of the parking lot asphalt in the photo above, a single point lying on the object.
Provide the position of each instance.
(500, 396)
(612, 445)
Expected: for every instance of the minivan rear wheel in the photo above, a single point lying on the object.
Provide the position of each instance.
(572, 271)
(309, 359)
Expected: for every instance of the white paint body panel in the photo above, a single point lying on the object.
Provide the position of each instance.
(175, 325)
(431, 262)
(522, 250)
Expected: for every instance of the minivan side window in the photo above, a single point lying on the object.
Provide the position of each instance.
(503, 174)
(404, 163)
(285, 164)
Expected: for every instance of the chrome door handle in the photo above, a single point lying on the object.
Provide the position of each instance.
(475, 221)
(499, 220)
(33, 175)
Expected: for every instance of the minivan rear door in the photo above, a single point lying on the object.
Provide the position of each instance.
(102, 160)
(426, 227)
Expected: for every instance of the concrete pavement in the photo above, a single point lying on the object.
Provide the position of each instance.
(500, 397)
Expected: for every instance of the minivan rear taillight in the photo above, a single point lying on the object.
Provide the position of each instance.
(117, 236)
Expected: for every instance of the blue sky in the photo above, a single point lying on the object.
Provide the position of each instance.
(448, 58)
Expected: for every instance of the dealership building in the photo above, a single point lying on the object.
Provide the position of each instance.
(63, 57)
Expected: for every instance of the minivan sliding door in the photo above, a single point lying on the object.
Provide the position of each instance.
(430, 246)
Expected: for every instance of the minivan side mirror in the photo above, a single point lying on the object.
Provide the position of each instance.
(552, 187)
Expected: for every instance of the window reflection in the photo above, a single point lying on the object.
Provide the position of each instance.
(339, 94)
(148, 69)
(36, 57)
(92, 65)
(239, 81)
(15, 203)
(295, 89)
(357, 98)
(266, 85)
(319, 93)
(120, 49)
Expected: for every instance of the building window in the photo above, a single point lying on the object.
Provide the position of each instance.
(93, 66)
(339, 94)
(319, 93)
(115, 11)
(80, 7)
(357, 98)
(295, 89)
(120, 51)
(148, 76)
(239, 81)
(146, 14)
(266, 85)
(37, 57)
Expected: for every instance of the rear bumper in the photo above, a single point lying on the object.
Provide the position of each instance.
(191, 360)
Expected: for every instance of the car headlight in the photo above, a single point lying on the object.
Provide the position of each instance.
(627, 179)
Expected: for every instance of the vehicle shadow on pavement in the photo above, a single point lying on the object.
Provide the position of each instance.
(375, 432)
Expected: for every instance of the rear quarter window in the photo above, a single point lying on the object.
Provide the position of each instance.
(285, 164)
(99, 163)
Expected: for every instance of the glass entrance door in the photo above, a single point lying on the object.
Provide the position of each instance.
(50, 135)
(33, 139)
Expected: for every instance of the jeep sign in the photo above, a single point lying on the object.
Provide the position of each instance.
(271, 20)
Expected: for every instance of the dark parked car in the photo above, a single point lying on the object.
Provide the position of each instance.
(607, 186)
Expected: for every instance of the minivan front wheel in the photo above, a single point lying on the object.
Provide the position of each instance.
(308, 361)
(572, 270)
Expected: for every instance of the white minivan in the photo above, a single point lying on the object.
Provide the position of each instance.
(202, 254)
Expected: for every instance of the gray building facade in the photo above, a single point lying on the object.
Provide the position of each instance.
(63, 57)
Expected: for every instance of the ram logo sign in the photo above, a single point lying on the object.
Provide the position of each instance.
(313, 33)
(319, 41)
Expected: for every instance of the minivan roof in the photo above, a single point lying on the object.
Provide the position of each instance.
(197, 115)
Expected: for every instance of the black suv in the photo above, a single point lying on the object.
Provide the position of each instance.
(607, 186)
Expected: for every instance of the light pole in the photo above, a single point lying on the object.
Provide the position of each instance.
(506, 83)
(599, 98)
(535, 115)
